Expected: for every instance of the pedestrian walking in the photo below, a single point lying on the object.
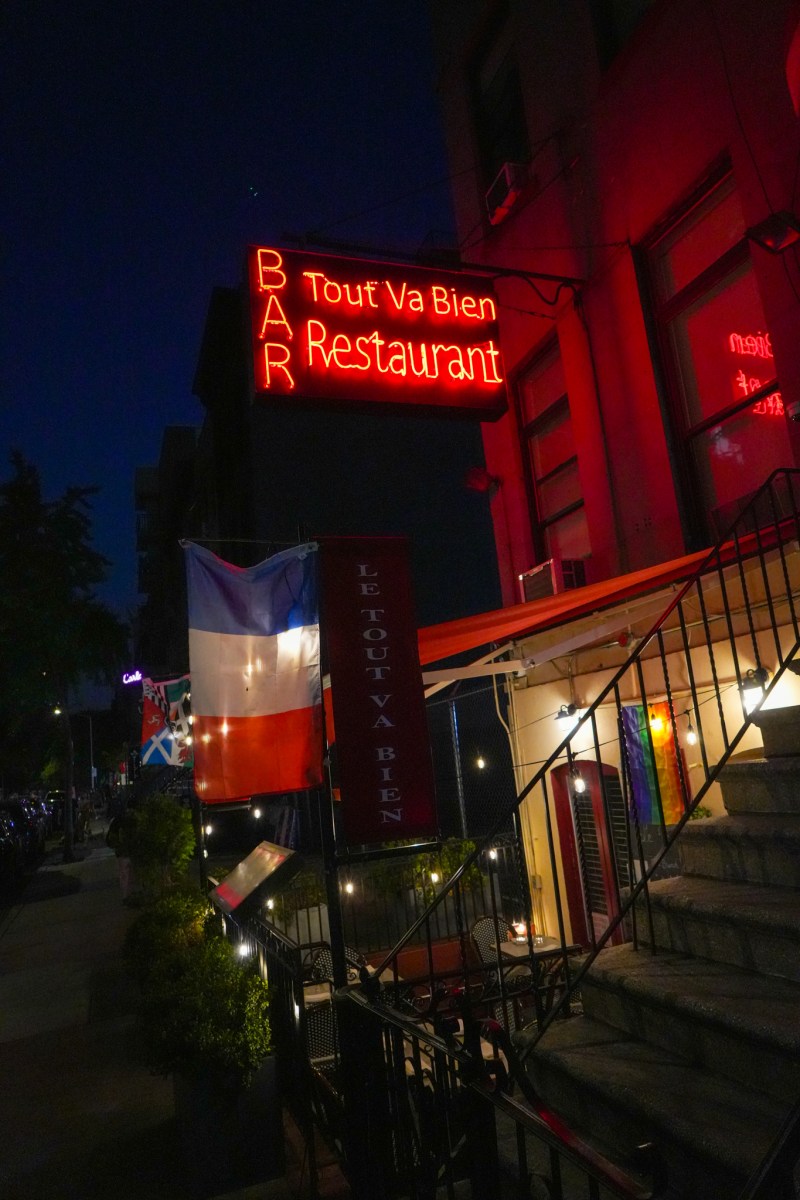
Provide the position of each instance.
(117, 839)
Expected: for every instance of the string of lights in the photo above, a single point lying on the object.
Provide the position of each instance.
(538, 762)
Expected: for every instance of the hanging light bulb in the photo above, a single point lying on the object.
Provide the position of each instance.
(480, 762)
(754, 685)
(578, 782)
(691, 733)
(656, 721)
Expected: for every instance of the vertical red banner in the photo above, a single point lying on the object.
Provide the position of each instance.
(382, 745)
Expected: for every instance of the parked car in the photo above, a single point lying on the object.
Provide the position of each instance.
(44, 810)
(12, 852)
(57, 801)
(29, 822)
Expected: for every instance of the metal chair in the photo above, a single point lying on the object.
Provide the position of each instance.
(485, 933)
(322, 964)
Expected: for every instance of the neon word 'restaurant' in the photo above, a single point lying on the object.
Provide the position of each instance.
(316, 326)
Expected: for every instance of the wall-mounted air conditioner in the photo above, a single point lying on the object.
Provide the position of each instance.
(505, 191)
(554, 575)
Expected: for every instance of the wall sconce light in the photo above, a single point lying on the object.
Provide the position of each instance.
(567, 718)
(754, 685)
(776, 233)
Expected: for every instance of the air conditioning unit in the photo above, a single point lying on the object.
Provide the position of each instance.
(506, 191)
(548, 578)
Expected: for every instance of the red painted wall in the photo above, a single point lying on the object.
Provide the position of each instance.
(614, 153)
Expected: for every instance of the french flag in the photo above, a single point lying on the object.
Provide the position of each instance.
(254, 661)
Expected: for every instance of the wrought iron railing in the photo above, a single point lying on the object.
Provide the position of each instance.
(379, 901)
(733, 624)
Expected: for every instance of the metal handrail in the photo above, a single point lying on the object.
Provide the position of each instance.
(727, 552)
(753, 546)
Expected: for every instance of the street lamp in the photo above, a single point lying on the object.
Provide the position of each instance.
(69, 825)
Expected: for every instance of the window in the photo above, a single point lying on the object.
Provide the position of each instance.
(552, 463)
(725, 400)
(498, 111)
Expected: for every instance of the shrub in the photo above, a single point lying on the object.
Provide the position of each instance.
(166, 928)
(204, 1013)
(159, 838)
(200, 1011)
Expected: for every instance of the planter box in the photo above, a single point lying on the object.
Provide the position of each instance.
(231, 1137)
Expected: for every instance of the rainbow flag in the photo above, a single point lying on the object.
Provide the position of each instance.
(654, 770)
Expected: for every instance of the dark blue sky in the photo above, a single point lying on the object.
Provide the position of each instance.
(145, 145)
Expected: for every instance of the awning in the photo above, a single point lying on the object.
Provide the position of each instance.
(439, 642)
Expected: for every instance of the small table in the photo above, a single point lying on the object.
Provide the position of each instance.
(547, 961)
(521, 949)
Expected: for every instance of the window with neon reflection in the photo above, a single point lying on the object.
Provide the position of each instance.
(718, 353)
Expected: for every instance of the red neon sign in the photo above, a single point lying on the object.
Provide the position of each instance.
(349, 331)
(755, 345)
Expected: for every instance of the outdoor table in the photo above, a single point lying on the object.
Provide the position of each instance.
(547, 961)
(520, 949)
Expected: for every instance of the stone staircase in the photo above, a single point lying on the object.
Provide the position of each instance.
(697, 1048)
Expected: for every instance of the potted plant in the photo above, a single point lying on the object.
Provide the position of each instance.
(204, 1020)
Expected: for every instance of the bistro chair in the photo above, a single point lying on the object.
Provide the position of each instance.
(322, 964)
(485, 933)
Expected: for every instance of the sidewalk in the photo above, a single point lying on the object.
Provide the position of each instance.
(80, 1117)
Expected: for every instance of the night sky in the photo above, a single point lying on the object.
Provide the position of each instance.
(146, 144)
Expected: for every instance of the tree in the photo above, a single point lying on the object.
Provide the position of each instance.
(55, 633)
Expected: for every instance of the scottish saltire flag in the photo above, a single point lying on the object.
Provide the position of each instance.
(654, 773)
(166, 723)
(254, 662)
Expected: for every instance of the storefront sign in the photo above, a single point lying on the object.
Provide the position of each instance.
(385, 774)
(339, 331)
(132, 677)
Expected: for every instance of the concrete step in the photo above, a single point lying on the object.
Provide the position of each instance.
(748, 925)
(761, 785)
(780, 730)
(714, 1015)
(763, 848)
(619, 1092)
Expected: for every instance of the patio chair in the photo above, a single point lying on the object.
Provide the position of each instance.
(322, 964)
(485, 932)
